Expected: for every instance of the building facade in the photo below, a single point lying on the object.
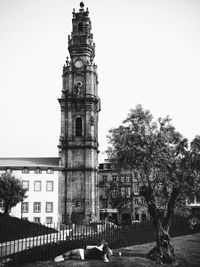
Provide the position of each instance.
(134, 208)
(78, 144)
(40, 177)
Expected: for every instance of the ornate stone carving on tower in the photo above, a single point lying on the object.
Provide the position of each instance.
(78, 144)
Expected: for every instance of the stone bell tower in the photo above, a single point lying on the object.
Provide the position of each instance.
(78, 143)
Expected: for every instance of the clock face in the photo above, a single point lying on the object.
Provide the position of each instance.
(78, 64)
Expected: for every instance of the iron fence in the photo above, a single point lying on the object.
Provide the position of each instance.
(66, 237)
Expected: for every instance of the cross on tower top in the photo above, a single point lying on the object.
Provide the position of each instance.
(81, 4)
(81, 7)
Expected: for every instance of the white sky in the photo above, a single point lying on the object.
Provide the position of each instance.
(147, 52)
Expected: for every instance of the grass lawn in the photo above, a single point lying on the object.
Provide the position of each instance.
(12, 228)
(187, 249)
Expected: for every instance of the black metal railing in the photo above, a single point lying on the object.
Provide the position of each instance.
(35, 247)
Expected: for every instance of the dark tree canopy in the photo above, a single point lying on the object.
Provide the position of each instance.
(11, 192)
(113, 192)
(168, 170)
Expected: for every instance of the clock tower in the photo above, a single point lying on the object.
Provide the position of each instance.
(78, 143)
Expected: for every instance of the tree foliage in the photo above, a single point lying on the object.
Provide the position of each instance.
(168, 169)
(112, 190)
(11, 192)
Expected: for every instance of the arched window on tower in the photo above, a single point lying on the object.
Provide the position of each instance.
(78, 126)
(80, 27)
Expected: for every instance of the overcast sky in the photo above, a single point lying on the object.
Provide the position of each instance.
(147, 52)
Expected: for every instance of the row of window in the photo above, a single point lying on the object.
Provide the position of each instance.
(127, 190)
(105, 166)
(115, 178)
(38, 185)
(126, 179)
(49, 220)
(137, 202)
(37, 207)
(124, 191)
(36, 170)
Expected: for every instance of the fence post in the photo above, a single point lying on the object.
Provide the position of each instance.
(0, 254)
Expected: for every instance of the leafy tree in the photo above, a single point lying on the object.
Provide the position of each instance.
(11, 192)
(167, 169)
(112, 190)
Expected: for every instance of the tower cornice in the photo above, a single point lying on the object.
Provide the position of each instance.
(88, 68)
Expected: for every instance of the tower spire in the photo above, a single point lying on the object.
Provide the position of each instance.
(81, 39)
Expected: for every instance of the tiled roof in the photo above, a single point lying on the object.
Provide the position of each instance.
(29, 162)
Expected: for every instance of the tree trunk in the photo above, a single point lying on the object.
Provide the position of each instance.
(163, 252)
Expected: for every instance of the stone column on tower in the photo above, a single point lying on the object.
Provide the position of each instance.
(78, 143)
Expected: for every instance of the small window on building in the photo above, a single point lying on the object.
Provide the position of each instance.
(136, 201)
(25, 185)
(38, 170)
(37, 207)
(37, 186)
(114, 193)
(143, 201)
(36, 219)
(128, 179)
(80, 27)
(101, 166)
(122, 179)
(135, 188)
(104, 177)
(50, 171)
(25, 170)
(128, 191)
(108, 166)
(49, 220)
(49, 206)
(78, 127)
(123, 190)
(114, 178)
(49, 186)
(25, 207)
